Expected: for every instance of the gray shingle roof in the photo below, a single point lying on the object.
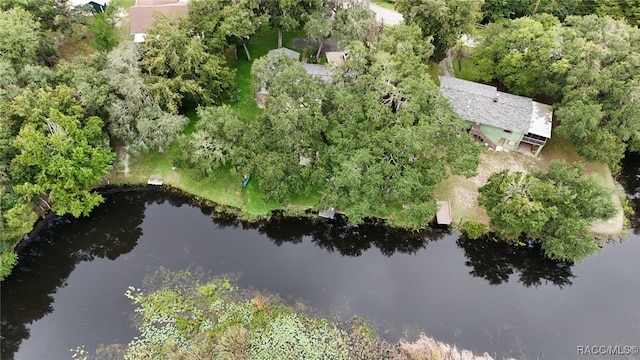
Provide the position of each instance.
(320, 71)
(288, 52)
(474, 102)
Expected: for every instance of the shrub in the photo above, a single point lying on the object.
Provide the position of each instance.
(474, 230)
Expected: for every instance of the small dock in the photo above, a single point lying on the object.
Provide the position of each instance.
(443, 216)
(155, 180)
(329, 213)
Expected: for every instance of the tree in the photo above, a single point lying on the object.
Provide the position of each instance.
(520, 53)
(105, 37)
(408, 126)
(91, 88)
(557, 208)
(288, 15)
(291, 129)
(170, 52)
(445, 20)
(135, 118)
(356, 23)
(591, 64)
(318, 28)
(19, 37)
(222, 23)
(52, 15)
(619, 9)
(8, 260)
(33, 106)
(376, 137)
(216, 141)
(494, 11)
(58, 162)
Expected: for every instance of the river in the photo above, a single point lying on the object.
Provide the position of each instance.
(485, 296)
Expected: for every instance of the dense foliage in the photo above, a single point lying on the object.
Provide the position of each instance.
(378, 136)
(444, 20)
(373, 140)
(186, 315)
(494, 11)
(590, 64)
(557, 208)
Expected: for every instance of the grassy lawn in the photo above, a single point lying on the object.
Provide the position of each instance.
(225, 185)
(469, 70)
(433, 72)
(76, 43)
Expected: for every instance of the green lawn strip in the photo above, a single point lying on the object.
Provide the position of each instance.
(385, 4)
(469, 69)
(224, 186)
(433, 72)
(560, 148)
(122, 3)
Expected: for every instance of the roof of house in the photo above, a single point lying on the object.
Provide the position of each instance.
(336, 58)
(320, 71)
(475, 103)
(288, 52)
(541, 120)
(86, 2)
(141, 14)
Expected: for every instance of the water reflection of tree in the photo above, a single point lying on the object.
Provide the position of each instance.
(496, 261)
(338, 235)
(47, 260)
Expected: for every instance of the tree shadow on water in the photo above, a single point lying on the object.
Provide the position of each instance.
(338, 235)
(496, 260)
(50, 254)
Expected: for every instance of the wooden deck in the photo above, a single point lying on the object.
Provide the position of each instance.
(443, 216)
(155, 180)
(475, 130)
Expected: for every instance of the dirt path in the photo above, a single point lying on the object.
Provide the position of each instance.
(445, 67)
(124, 161)
(386, 16)
(463, 192)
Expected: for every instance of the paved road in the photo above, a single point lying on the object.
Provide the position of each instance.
(388, 17)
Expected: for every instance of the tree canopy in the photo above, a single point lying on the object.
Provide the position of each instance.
(180, 67)
(557, 208)
(378, 136)
(63, 147)
(19, 37)
(444, 20)
(591, 64)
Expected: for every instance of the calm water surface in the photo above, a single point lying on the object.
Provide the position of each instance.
(481, 295)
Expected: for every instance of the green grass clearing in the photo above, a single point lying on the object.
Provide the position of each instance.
(76, 43)
(225, 185)
(385, 4)
(434, 72)
(469, 70)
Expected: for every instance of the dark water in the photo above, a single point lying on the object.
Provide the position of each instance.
(481, 295)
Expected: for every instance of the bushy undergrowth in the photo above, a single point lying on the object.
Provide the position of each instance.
(184, 316)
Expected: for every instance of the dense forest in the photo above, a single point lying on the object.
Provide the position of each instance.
(377, 137)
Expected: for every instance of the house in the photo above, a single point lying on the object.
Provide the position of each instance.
(97, 6)
(320, 71)
(294, 55)
(141, 14)
(501, 120)
(336, 58)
